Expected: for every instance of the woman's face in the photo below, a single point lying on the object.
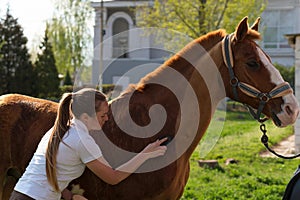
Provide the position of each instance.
(102, 114)
(96, 122)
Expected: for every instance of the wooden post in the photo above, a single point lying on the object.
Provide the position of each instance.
(294, 42)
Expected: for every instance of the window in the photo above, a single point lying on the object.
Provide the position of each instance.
(120, 38)
(276, 24)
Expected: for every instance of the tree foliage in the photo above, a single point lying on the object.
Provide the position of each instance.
(69, 34)
(197, 17)
(67, 79)
(46, 71)
(16, 70)
(288, 73)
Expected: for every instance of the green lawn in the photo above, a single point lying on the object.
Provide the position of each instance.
(253, 177)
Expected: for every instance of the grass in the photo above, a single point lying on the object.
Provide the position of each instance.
(253, 177)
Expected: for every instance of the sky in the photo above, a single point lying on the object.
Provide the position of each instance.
(32, 16)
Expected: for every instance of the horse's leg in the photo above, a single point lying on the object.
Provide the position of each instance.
(4, 168)
(8, 187)
(2, 179)
(12, 177)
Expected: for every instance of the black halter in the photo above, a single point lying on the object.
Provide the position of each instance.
(278, 91)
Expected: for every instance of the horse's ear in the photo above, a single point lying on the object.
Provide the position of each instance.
(242, 29)
(255, 24)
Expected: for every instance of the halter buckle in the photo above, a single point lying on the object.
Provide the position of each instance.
(264, 97)
(234, 82)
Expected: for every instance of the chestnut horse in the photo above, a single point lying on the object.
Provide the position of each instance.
(177, 100)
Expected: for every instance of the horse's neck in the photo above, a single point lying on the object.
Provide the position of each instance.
(194, 71)
(193, 78)
(207, 84)
(206, 63)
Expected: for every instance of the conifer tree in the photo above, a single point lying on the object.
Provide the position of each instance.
(68, 79)
(16, 70)
(46, 71)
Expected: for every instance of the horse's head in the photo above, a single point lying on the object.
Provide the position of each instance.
(252, 78)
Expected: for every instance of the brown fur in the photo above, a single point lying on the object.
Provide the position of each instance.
(24, 120)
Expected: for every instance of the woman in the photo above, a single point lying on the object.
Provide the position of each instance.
(67, 148)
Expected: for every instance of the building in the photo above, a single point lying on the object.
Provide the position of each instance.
(278, 19)
(121, 52)
(123, 56)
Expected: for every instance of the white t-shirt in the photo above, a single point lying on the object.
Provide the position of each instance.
(81, 148)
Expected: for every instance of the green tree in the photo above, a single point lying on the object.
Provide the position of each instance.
(288, 73)
(46, 71)
(16, 70)
(68, 79)
(69, 34)
(197, 17)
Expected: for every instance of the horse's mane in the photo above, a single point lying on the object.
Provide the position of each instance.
(206, 41)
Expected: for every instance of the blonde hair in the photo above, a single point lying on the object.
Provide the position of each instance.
(87, 101)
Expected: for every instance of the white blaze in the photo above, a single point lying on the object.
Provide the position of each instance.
(289, 100)
(276, 78)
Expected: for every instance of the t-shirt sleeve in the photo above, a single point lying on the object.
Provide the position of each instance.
(88, 150)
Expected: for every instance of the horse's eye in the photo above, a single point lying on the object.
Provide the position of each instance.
(253, 64)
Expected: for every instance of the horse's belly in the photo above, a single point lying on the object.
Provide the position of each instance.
(164, 184)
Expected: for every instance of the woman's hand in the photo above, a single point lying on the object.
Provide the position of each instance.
(154, 149)
(115, 176)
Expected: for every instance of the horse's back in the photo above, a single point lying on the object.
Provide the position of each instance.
(23, 122)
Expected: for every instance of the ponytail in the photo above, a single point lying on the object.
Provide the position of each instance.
(61, 126)
(86, 100)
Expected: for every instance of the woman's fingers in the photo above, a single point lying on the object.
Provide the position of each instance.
(159, 141)
(162, 140)
(156, 147)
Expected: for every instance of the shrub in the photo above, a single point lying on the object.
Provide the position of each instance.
(288, 74)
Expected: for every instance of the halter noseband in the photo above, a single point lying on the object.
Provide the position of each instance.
(278, 91)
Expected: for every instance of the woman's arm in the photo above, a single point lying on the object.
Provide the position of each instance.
(114, 176)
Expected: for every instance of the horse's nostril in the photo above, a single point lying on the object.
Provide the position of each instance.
(288, 110)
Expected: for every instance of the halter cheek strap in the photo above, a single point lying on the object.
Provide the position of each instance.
(228, 59)
(278, 91)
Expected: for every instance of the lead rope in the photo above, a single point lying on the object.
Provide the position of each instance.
(264, 139)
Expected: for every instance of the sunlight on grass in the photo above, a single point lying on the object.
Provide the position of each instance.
(212, 134)
(253, 177)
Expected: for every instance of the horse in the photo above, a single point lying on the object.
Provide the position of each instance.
(177, 100)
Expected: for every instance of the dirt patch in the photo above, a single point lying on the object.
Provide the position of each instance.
(286, 147)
